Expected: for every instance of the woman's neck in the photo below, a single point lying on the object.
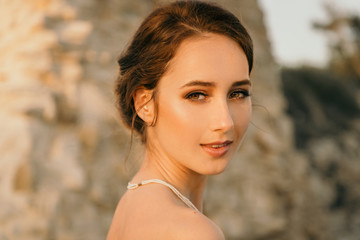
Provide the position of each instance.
(189, 183)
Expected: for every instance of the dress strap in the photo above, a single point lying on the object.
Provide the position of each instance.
(132, 186)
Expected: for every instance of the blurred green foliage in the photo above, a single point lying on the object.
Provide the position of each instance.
(324, 102)
(320, 103)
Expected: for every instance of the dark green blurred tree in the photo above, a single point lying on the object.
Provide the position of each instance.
(343, 33)
(325, 101)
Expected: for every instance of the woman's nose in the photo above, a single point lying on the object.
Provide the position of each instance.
(221, 119)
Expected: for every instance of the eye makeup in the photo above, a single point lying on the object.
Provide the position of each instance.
(239, 94)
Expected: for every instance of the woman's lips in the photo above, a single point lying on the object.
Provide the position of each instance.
(216, 149)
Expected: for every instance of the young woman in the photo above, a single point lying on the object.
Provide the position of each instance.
(184, 87)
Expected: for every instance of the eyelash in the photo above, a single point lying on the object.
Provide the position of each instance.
(245, 93)
(191, 95)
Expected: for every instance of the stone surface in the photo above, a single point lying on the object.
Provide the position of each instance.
(62, 144)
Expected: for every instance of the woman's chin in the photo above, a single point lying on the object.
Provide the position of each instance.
(214, 170)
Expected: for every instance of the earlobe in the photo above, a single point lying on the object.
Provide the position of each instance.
(143, 104)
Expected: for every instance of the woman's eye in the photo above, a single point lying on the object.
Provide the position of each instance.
(196, 96)
(239, 94)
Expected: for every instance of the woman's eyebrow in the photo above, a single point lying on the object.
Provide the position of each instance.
(198, 83)
(242, 82)
(212, 84)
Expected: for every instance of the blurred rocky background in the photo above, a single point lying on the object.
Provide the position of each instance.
(63, 147)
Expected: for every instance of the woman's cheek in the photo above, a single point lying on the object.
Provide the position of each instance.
(242, 117)
(175, 115)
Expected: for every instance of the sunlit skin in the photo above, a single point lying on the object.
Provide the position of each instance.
(204, 108)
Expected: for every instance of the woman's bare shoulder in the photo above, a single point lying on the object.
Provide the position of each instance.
(191, 225)
(162, 215)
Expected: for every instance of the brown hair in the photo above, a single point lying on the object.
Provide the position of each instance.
(155, 43)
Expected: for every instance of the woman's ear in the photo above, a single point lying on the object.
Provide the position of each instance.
(144, 105)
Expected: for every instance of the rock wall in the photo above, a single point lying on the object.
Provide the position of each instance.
(62, 146)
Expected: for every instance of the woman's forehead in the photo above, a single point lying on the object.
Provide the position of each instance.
(208, 58)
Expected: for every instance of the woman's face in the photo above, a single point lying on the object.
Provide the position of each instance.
(204, 106)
